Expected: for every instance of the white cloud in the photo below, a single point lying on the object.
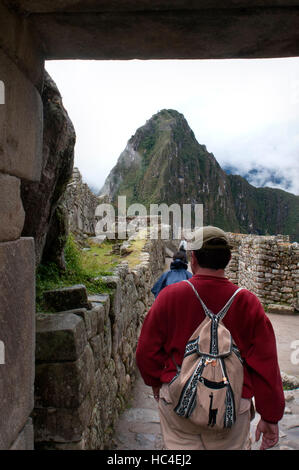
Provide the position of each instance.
(245, 111)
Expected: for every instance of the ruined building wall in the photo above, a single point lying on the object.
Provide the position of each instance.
(85, 365)
(23, 49)
(267, 266)
(21, 129)
(80, 203)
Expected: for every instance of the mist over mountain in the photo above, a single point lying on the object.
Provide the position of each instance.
(261, 176)
(163, 162)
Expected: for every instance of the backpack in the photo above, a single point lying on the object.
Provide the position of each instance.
(208, 386)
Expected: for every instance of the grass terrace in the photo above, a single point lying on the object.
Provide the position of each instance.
(85, 266)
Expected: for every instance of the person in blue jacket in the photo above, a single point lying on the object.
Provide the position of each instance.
(178, 272)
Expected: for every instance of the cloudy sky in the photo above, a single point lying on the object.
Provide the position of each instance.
(245, 111)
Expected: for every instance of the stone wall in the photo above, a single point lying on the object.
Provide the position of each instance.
(29, 33)
(21, 128)
(267, 266)
(80, 203)
(85, 359)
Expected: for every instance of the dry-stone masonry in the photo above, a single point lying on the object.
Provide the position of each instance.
(268, 267)
(32, 31)
(85, 358)
(81, 204)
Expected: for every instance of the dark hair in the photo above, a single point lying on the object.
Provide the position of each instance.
(214, 254)
(181, 255)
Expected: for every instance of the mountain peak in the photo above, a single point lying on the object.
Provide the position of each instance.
(164, 163)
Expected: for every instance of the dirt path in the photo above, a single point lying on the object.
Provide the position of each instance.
(286, 328)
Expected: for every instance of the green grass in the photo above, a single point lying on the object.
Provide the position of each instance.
(99, 259)
(134, 258)
(82, 267)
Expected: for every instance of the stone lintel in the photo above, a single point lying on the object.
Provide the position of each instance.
(19, 41)
(51, 6)
(174, 34)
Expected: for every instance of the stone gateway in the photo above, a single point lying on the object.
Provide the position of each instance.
(33, 31)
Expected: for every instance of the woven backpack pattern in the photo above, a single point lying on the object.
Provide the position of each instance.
(208, 386)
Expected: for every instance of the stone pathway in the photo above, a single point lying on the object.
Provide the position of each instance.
(139, 425)
(288, 426)
(139, 428)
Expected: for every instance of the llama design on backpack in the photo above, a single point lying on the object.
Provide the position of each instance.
(212, 413)
(208, 386)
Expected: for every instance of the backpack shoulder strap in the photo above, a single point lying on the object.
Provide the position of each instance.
(221, 314)
(205, 308)
(224, 310)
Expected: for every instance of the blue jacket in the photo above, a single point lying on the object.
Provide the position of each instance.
(178, 272)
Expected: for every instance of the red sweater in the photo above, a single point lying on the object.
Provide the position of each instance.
(175, 315)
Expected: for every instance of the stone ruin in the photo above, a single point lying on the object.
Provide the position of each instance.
(269, 267)
(80, 203)
(34, 31)
(85, 356)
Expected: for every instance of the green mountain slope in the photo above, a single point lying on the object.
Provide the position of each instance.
(163, 162)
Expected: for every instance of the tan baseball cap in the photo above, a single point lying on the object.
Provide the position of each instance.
(197, 238)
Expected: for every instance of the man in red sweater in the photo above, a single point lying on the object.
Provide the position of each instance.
(170, 322)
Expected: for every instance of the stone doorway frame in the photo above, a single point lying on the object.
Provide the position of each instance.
(32, 31)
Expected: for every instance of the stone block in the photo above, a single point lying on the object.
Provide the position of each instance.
(289, 381)
(59, 337)
(97, 347)
(101, 316)
(280, 309)
(269, 275)
(66, 298)
(90, 318)
(107, 342)
(286, 289)
(97, 241)
(113, 282)
(17, 332)
(62, 424)
(65, 384)
(12, 214)
(21, 124)
(80, 445)
(93, 314)
(102, 342)
(25, 440)
(18, 39)
(103, 299)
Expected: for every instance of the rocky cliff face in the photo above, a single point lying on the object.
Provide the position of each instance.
(163, 162)
(45, 219)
